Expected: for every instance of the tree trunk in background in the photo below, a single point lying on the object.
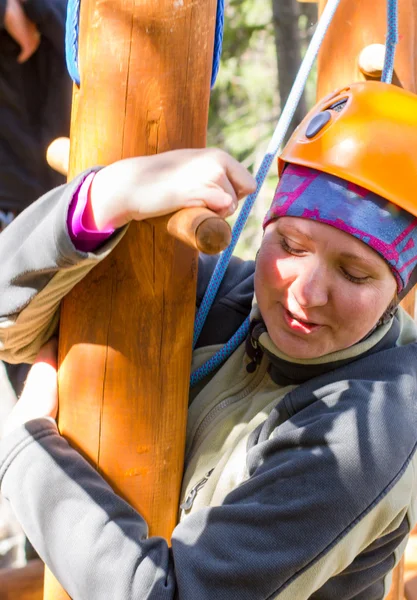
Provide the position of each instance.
(310, 11)
(285, 14)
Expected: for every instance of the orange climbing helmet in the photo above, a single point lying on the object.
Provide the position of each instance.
(365, 133)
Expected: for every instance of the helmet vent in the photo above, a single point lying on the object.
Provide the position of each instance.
(339, 105)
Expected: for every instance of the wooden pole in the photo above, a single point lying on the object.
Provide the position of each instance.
(126, 330)
(23, 583)
(357, 25)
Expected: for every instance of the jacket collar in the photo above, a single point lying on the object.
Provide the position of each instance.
(285, 370)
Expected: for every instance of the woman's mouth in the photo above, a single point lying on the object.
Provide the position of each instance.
(298, 324)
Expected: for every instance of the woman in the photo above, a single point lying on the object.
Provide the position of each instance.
(299, 477)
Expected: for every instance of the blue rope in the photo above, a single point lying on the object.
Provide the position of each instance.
(223, 354)
(272, 150)
(225, 257)
(72, 31)
(71, 39)
(218, 41)
(391, 41)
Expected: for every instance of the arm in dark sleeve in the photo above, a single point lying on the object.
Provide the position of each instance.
(50, 17)
(314, 500)
(40, 264)
(95, 543)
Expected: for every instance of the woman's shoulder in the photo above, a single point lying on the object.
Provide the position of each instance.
(237, 281)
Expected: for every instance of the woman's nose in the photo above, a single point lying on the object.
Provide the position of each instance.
(310, 286)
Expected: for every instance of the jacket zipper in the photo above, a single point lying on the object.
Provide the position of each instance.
(221, 406)
(256, 357)
(189, 501)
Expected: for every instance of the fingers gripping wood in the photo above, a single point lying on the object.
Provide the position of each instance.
(197, 227)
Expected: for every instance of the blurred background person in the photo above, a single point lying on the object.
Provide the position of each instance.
(35, 105)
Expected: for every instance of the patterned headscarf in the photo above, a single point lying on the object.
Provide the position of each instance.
(384, 227)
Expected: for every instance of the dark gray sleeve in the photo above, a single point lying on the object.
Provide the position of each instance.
(40, 265)
(35, 246)
(297, 520)
(97, 545)
(93, 541)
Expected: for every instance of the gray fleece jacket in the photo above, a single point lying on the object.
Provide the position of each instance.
(299, 479)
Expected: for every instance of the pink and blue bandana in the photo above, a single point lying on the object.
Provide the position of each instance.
(388, 229)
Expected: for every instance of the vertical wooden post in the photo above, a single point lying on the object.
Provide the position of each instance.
(125, 341)
(397, 586)
(356, 25)
(22, 583)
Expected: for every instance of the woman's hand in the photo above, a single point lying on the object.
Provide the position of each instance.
(150, 186)
(40, 394)
(21, 29)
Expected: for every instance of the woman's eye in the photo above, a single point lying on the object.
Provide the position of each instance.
(353, 278)
(290, 249)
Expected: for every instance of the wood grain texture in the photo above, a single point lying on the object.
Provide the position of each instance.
(356, 25)
(25, 583)
(397, 587)
(126, 330)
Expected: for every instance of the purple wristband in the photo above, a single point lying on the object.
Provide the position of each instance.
(84, 238)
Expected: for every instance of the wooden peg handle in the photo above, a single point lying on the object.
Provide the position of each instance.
(371, 60)
(200, 228)
(57, 155)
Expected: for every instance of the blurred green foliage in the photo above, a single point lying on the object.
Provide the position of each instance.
(245, 102)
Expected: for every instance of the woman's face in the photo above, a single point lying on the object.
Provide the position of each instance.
(319, 289)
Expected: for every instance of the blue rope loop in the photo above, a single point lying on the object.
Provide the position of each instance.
(72, 32)
(223, 262)
(273, 149)
(391, 41)
(221, 355)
